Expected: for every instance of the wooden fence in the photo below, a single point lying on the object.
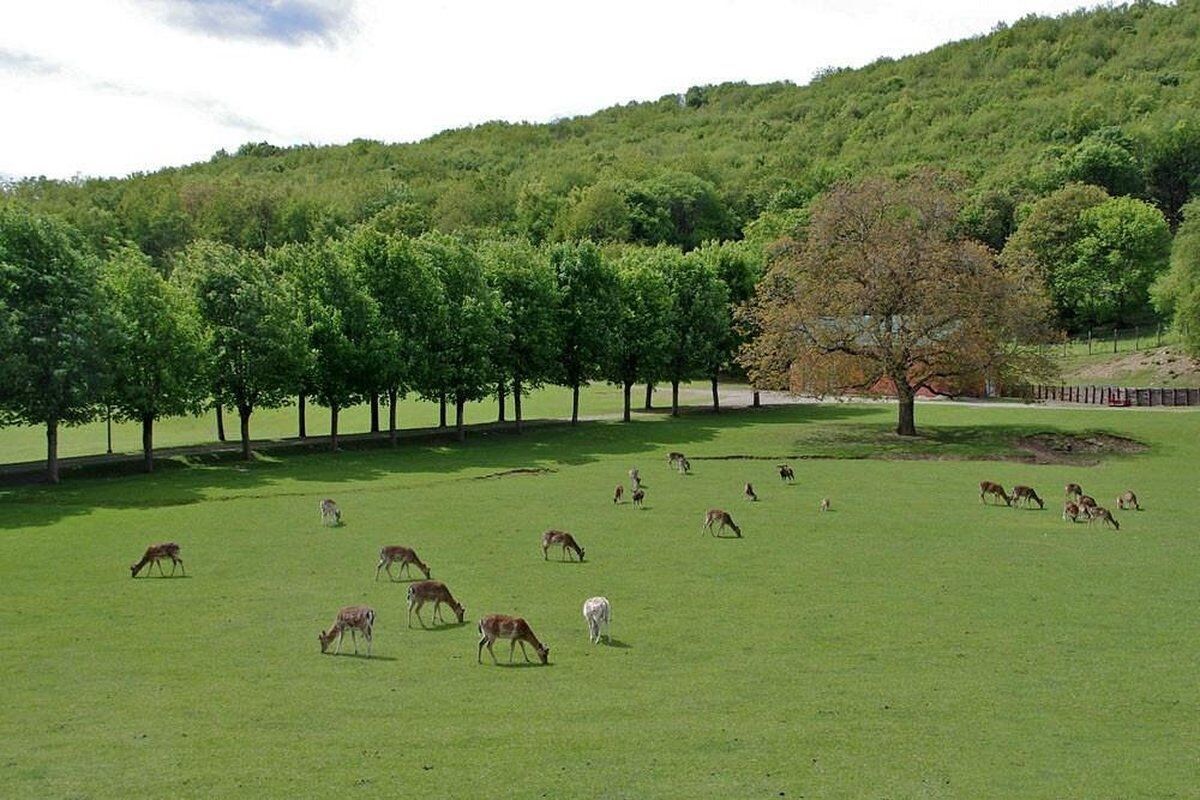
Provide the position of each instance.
(1113, 395)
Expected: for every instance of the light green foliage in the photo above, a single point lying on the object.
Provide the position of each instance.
(156, 350)
(699, 321)
(527, 341)
(598, 212)
(640, 336)
(1177, 292)
(909, 643)
(1124, 247)
(51, 312)
(340, 318)
(587, 291)
(465, 325)
(257, 347)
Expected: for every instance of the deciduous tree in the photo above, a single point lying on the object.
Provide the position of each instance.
(885, 288)
(640, 336)
(587, 290)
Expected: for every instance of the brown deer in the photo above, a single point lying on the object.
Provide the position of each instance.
(716, 515)
(1098, 513)
(1128, 500)
(1027, 495)
(355, 619)
(618, 494)
(154, 556)
(407, 557)
(824, 503)
(1072, 490)
(635, 479)
(674, 457)
(749, 494)
(1072, 512)
(786, 473)
(423, 592)
(515, 629)
(564, 539)
(1086, 501)
(638, 496)
(988, 488)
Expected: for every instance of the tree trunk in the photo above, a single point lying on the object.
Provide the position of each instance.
(517, 402)
(907, 425)
(674, 398)
(716, 396)
(460, 428)
(301, 421)
(244, 415)
(442, 410)
(500, 400)
(628, 393)
(757, 399)
(374, 412)
(333, 427)
(52, 451)
(575, 404)
(220, 424)
(148, 442)
(392, 393)
(649, 396)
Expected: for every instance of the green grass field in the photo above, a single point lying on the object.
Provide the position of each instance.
(910, 643)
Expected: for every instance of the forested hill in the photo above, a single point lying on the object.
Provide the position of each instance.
(1103, 96)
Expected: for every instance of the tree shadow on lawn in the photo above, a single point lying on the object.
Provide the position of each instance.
(361, 656)
(223, 476)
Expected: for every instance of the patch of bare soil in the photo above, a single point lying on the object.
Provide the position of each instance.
(518, 471)
(1083, 448)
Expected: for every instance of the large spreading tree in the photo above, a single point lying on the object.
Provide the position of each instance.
(52, 371)
(698, 322)
(885, 288)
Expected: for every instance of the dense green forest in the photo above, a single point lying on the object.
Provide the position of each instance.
(1108, 96)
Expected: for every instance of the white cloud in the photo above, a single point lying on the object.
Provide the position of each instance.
(129, 85)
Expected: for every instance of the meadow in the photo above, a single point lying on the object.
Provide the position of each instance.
(909, 643)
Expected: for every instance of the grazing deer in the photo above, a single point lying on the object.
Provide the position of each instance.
(154, 556)
(407, 558)
(330, 513)
(684, 466)
(988, 488)
(1098, 513)
(824, 503)
(786, 474)
(1072, 490)
(635, 477)
(638, 496)
(597, 612)
(422, 592)
(636, 482)
(618, 494)
(749, 494)
(355, 619)
(1072, 512)
(716, 515)
(1086, 501)
(515, 629)
(1026, 495)
(566, 540)
(673, 457)
(1128, 500)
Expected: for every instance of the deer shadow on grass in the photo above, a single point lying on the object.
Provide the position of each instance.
(442, 627)
(609, 641)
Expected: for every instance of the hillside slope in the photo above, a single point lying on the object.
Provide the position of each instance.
(1004, 109)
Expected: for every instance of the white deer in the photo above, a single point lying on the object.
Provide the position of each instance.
(597, 612)
(330, 513)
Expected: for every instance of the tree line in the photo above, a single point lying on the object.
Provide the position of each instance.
(367, 316)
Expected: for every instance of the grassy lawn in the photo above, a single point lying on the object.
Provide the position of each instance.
(910, 643)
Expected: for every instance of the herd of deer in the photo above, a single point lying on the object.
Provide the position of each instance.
(597, 611)
(1077, 505)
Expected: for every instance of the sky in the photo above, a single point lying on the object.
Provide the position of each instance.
(109, 87)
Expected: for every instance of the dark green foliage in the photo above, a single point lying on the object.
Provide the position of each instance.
(587, 291)
(51, 320)
(154, 343)
(640, 337)
(1177, 292)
